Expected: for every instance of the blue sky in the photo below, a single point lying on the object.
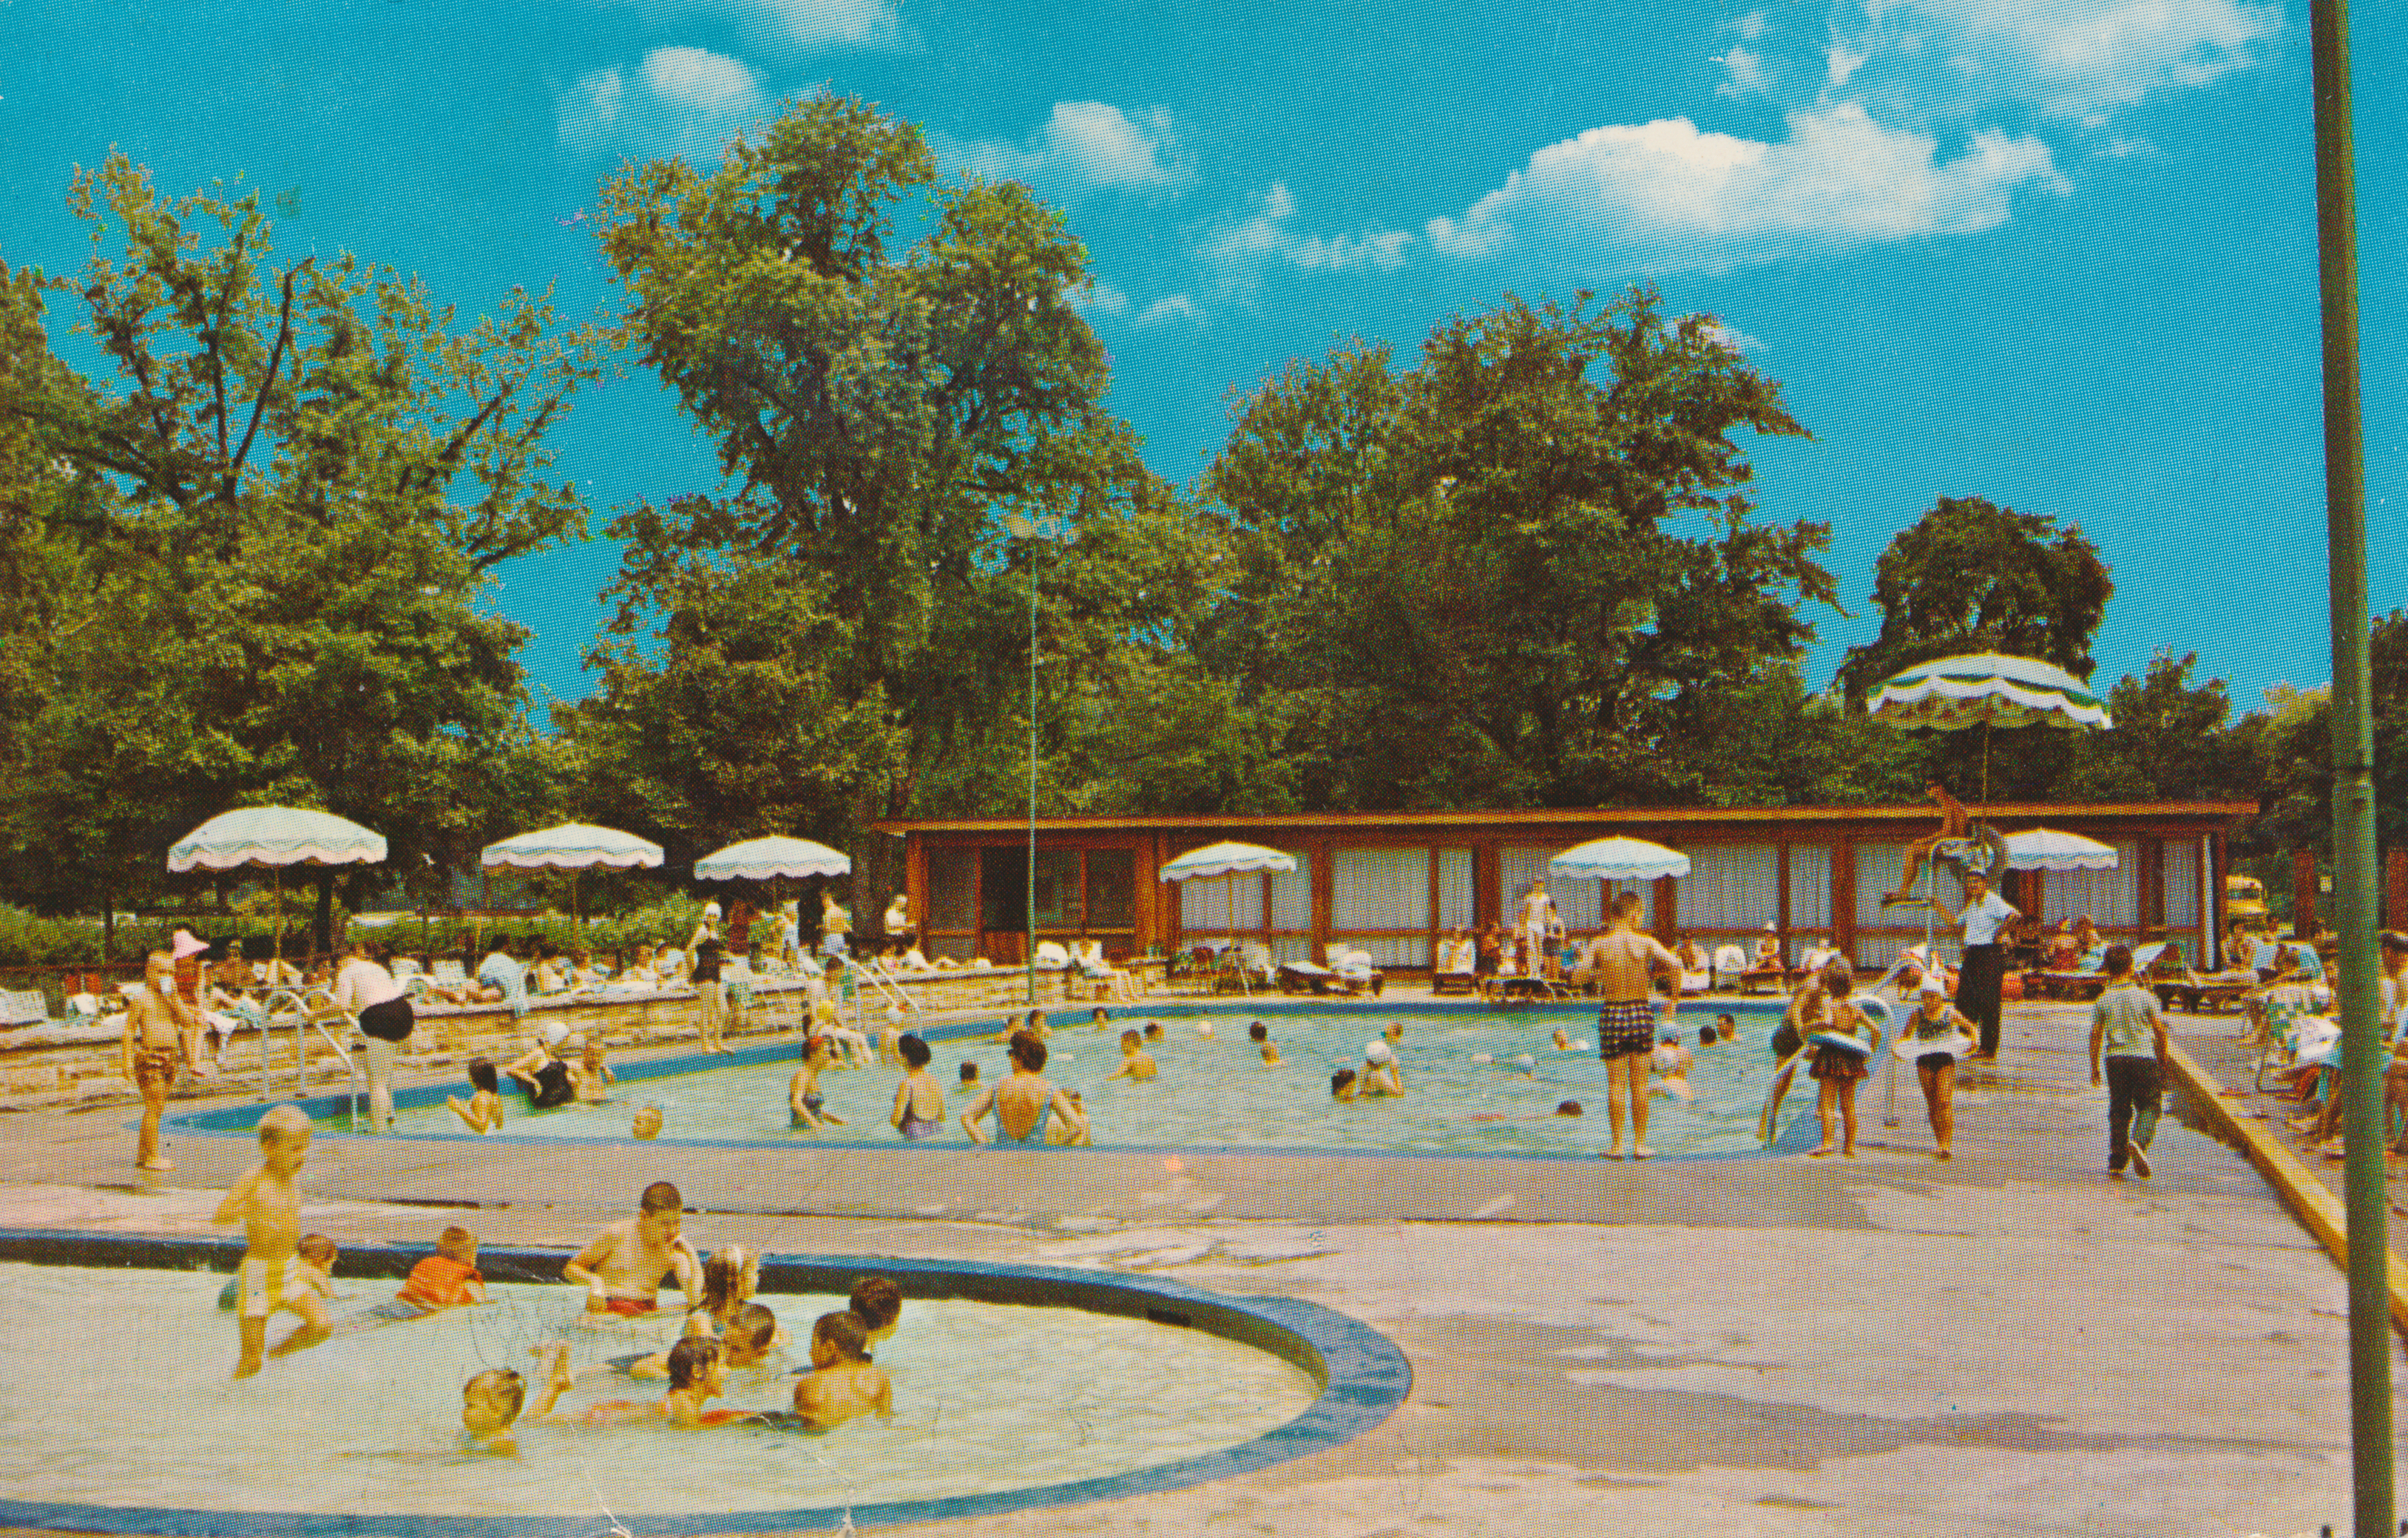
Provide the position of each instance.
(2059, 255)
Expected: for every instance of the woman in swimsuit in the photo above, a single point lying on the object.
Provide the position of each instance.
(1021, 1101)
(545, 1076)
(803, 1091)
(919, 1099)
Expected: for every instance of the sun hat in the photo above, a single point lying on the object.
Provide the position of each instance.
(187, 945)
(1931, 984)
(710, 910)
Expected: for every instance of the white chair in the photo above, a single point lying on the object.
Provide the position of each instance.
(1050, 957)
(1731, 964)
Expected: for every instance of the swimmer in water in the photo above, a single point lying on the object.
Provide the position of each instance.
(489, 1406)
(647, 1125)
(1136, 1064)
(803, 1099)
(968, 1073)
(481, 1111)
(1380, 1076)
(1563, 1040)
(1100, 1018)
(698, 1373)
(919, 1099)
(843, 1381)
(621, 1267)
(1154, 1030)
(1064, 1134)
(878, 1303)
(1260, 1035)
(1671, 1062)
(1344, 1088)
(1727, 1028)
(890, 1038)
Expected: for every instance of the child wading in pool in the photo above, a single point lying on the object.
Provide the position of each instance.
(448, 1278)
(698, 1369)
(1021, 1101)
(1260, 1035)
(843, 1381)
(919, 1099)
(803, 1099)
(1136, 1062)
(621, 1268)
(878, 1303)
(267, 1201)
(482, 1110)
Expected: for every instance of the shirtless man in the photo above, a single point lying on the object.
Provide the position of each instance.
(1622, 961)
(154, 1042)
(1953, 824)
(1538, 920)
(621, 1268)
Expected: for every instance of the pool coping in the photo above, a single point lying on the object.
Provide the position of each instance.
(1363, 1376)
(239, 1118)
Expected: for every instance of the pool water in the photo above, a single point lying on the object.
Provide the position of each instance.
(1218, 1092)
(132, 1407)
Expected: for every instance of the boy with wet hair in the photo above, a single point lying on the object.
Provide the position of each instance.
(647, 1125)
(621, 1267)
(490, 1404)
(1342, 1085)
(1100, 1018)
(1136, 1064)
(843, 1381)
(968, 1073)
(274, 1275)
(878, 1302)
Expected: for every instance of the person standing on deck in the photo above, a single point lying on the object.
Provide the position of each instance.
(1538, 920)
(1985, 913)
(1622, 961)
(836, 925)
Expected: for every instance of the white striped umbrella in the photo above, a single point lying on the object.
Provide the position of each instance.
(2047, 849)
(1618, 858)
(770, 859)
(275, 838)
(572, 846)
(1226, 857)
(1986, 690)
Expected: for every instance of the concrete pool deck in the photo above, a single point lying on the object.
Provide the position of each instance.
(2009, 1343)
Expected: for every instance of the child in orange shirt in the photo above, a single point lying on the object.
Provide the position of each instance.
(449, 1277)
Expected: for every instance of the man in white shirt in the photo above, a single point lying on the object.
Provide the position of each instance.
(1984, 915)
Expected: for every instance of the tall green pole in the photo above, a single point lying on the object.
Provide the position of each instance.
(2353, 749)
(1031, 940)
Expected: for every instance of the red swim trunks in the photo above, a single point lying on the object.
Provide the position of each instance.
(629, 1308)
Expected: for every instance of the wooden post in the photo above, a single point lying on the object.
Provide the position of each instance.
(1484, 879)
(1668, 907)
(1844, 896)
(1430, 916)
(1317, 851)
(2303, 893)
(2152, 876)
(2395, 889)
(1780, 891)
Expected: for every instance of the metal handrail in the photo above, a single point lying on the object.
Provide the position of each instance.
(309, 1007)
(877, 973)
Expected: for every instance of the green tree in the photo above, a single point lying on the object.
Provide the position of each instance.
(293, 487)
(2292, 741)
(1516, 573)
(2173, 740)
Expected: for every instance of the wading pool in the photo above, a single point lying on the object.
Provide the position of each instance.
(136, 1427)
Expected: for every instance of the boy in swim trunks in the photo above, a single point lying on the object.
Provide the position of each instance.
(152, 1050)
(1136, 1064)
(1622, 961)
(621, 1268)
(919, 1099)
(267, 1201)
(843, 1381)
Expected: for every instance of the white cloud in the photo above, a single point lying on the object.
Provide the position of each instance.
(676, 101)
(806, 26)
(1101, 298)
(1242, 250)
(1175, 306)
(1082, 145)
(1840, 62)
(1752, 25)
(1745, 73)
(1665, 194)
(2077, 61)
(2120, 148)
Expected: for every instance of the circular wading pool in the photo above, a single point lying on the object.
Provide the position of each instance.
(1479, 1083)
(1014, 1387)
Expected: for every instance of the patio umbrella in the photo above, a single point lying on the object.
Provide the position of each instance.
(1618, 860)
(1226, 859)
(275, 838)
(770, 860)
(2047, 849)
(1986, 690)
(572, 846)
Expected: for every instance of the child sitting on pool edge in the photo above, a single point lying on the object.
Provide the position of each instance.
(843, 1381)
(448, 1278)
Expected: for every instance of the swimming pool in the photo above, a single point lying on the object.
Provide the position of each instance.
(136, 1427)
(1217, 1093)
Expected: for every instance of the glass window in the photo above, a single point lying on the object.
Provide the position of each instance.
(1059, 905)
(952, 888)
(1003, 888)
(1111, 888)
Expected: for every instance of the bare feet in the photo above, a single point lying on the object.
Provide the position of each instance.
(1614, 1153)
(1641, 1150)
(1847, 1153)
(2140, 1161)
(247, 1367)
(1822, 1153)
(1941, 1153)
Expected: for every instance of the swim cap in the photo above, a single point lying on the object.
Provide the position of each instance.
(1377, 1052)
(554, 1034)
(710, 910)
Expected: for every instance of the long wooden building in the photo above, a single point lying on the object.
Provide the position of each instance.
(1392, 882)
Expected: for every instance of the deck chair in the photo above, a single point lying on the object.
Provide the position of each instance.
(1117, 981)
(1731, 964)
(1457, 968)
(1050, 957)
(29, 1006)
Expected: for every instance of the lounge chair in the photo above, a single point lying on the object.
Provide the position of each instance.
(1117, 982)
(1457, 968)
(1731, 965)
(1050, 957)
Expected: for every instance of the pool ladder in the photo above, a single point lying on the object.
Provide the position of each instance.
(310, 1009)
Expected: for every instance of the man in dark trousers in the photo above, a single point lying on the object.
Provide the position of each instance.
(1986, 916)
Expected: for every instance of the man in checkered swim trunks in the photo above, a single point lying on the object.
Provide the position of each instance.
(1622, 960)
